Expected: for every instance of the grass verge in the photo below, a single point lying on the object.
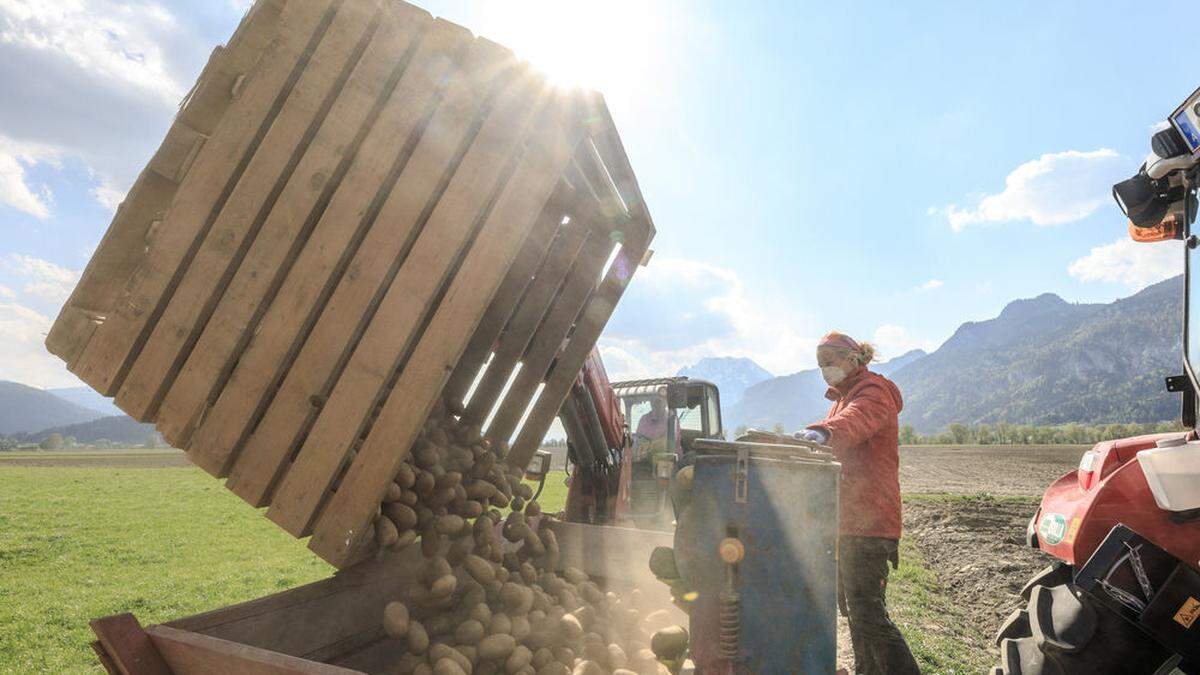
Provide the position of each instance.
(76, 544)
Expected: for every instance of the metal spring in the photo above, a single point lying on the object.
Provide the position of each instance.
(731, 623)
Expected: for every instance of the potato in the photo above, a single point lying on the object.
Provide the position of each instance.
(616, 657)
(448, 480)
(423, 669)
(408, 663)
(554, 668)
(523, 490)
(425, 484)
(450, 524)
(480, 569)
(669, 643)
(574, 575)
(481, 613)
(395, 619)
(533, 510)
(408, 498)
(501, 624)
(587, 667)
(393, 492)
(520, 657)
(406, 477)
(386, 534)
(564, 655)
(444, 586)
(469, 632)
(431, 543)
(440, 652)
(459, 550)
(520, 628)
(403, 515)
(418, 639)
(448, 667)
(517, 504)
(495, 647)
(517, 599)
(406, 539)
(571, 627)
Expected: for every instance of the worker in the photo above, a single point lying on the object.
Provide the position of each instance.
(863, 430)
(651, 435)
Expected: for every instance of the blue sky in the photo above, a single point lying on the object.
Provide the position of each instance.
(891, 170)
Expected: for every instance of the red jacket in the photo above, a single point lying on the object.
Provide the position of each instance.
(864, 434)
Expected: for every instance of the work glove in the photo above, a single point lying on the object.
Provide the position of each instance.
(812, 436)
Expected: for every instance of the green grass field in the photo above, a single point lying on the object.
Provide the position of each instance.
(80, 543)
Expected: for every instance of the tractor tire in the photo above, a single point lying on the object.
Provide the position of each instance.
(1064, 631)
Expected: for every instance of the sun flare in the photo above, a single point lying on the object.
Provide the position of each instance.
(606, 46)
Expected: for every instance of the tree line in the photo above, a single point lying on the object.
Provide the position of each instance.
(1003, 433)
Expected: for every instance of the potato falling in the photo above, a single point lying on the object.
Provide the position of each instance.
(491, 597)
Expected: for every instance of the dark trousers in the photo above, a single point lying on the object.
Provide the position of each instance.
(879, 648)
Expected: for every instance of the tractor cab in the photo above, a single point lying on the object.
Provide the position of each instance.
(666, 416)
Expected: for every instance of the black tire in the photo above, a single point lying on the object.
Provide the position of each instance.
(1064, 631)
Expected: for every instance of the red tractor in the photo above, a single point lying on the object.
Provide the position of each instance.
(1124, 594)
(624, 441)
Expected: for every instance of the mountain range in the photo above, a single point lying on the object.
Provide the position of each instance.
(1042, 361)
(732, 375)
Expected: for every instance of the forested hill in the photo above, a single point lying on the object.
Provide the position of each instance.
(1046, 361)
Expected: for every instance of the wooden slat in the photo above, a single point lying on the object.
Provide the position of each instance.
(347, 518)
(549, 338)
(115, 342)
(311, 377)
(587, 330)
(291, 223)
(403, 310)
(195, 654)
(532, 253)
(284, 149)
(529, 314)
(128, 647)
(329, 254)
(121, 249)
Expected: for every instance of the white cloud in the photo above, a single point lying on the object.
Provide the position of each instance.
(23, 358)
(931, 285)
(678, 311)
(93, 80)
(1133, 264)
(892, 341)
(7, 293)
(15, 190)
(109, 198)
(43, 279)
(108, 40)
(1054, 189)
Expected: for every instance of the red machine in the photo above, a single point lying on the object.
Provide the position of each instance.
(1124, 595)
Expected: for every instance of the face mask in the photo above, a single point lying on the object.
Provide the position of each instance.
(833, 375)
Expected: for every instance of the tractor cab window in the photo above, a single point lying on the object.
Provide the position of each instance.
(691, 418)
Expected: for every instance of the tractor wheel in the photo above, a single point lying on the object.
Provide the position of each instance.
(1064, 631)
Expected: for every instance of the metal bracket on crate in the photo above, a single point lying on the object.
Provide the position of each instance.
(741, 476)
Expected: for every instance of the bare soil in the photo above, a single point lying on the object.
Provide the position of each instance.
(1021, 470)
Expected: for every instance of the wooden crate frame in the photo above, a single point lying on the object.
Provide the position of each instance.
(358, 208)
(334, 626)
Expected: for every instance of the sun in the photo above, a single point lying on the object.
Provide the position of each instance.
(607, 46)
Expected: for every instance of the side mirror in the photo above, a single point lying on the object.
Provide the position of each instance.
(539, 466)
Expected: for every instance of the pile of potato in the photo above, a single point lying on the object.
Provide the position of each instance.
(492, 598)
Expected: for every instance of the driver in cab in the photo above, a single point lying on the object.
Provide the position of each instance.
(651, 435)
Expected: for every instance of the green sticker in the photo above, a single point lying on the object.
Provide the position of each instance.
(1052, 528)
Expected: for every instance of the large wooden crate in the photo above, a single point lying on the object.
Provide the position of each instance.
(359, 210)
